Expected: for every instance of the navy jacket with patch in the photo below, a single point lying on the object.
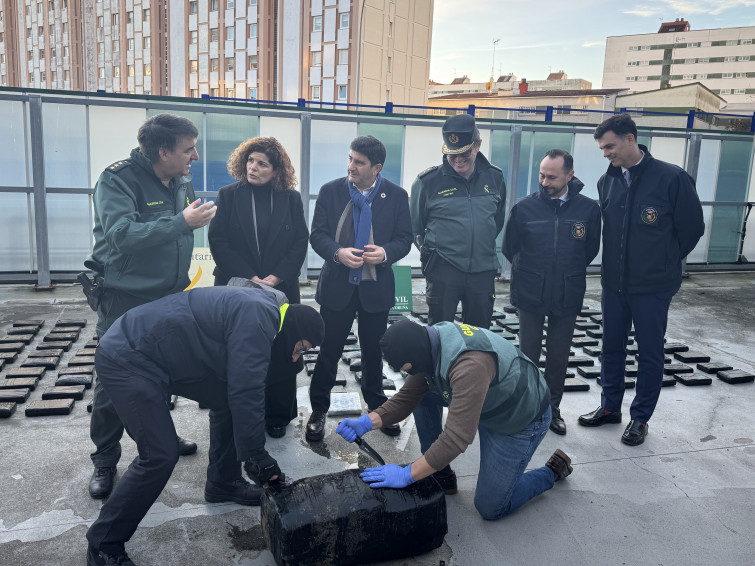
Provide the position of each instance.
(549, 249)
(648, 226)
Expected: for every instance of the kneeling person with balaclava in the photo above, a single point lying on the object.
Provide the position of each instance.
(489, 387)
(212, 345)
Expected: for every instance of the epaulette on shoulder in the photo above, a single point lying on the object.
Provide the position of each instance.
(496, 168)
(118, 165)
(428, 170)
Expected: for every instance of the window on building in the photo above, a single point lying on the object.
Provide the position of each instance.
(214, 34)
(66, 74)
(743, 58)
(316, 58)
(632, 63)
(129, 17)
(644, 48)
(41, 31)
(214, 92)
(65, 27)
(100, 21)
(702, 60)
(390, 64)
(28, 33)
(230, 93)
(229, 33)
(697, 44)
(145, 15)
(131, 44)
(230, 64)
(194, 66)
(341, 92)
(148, 69)
(730, 59)
(214, 65)
(116, 71)
(31, 78)
(634, 48)
(252, 2)
(738, 91)
(690, 60)
(740, 75)
(701, 76)
(727, 75)
(115, 19)
(252, 61)
(54, 76)
(316, 92)
(706, 43)
(343, 56)
(102, 72)
(39, 8)
(101, 48)
(41, 54)
(252, 30)
(730, 42)
(344, 21)
(147, 42)
(193, 37)
(229, 4)
(116, 46)
(194, 93)
(131, 71)
(390, 29)
(65, 51)
(746, 42)
(724, 91)
(689, 77)
(42, 76)
(193, 6)
(317, 23)
(213, 5)
(631, 78)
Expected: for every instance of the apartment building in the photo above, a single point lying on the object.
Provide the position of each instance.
(331, 51)
(721, 59)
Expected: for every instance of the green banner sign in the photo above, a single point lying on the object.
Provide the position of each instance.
(403, 276)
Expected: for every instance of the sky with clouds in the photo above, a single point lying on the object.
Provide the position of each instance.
(542, 36)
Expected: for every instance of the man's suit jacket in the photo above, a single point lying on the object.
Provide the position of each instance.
(234, 246)
(391, 229)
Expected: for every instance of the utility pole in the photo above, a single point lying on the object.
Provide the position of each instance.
(492, 67)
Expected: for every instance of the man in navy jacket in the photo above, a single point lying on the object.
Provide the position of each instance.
(212, 345)
(652, 219)
(361, 226)
(551, 237)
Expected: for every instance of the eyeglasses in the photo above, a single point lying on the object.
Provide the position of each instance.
(466, 155)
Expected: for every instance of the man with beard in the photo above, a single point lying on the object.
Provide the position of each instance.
(551, 237)
(212, 345)
(489, 387)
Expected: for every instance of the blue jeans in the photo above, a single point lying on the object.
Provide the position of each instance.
(503, 486)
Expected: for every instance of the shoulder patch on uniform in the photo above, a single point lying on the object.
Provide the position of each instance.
(496, 168)
(428, 170)
(118, 165)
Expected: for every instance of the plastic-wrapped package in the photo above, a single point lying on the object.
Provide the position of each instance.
(338, 519)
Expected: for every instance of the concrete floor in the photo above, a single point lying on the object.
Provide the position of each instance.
(686, 496)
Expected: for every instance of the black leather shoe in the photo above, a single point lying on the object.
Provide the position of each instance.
(239, 491)
(635, 433)
(316, 426)
(102, 482)
(275, 431)
(560, 463)
(186, 447)
(446, 478)
(558, 425)
(393, 430)
(599, 417)
(97, 558)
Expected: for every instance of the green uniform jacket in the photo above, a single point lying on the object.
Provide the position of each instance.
(459, 218)
(142, 243)
(516, 395)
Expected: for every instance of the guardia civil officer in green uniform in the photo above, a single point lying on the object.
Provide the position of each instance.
(490, 388)
(457, 211)
(145, 213)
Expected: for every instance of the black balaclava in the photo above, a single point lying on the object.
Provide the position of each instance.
(406, 341)
(301, 322)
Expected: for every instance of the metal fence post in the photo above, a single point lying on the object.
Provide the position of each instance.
(549, 113)
(515, 152)
(40, 193)
(691, 166)
(306, 139)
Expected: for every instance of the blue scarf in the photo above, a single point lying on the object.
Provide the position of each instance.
(362, 222)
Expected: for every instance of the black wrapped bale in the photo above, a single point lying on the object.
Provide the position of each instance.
(338, 519)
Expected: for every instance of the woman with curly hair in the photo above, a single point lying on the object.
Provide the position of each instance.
(260, 233)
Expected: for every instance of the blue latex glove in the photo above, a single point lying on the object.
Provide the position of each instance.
(351, 428)
(389, 475)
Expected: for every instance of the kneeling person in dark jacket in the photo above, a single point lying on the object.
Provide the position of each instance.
(551, 237)
(489, 387)
(212, 345)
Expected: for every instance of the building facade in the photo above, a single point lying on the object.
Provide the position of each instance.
(555, 81)
(342, 51)
(721, 59)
